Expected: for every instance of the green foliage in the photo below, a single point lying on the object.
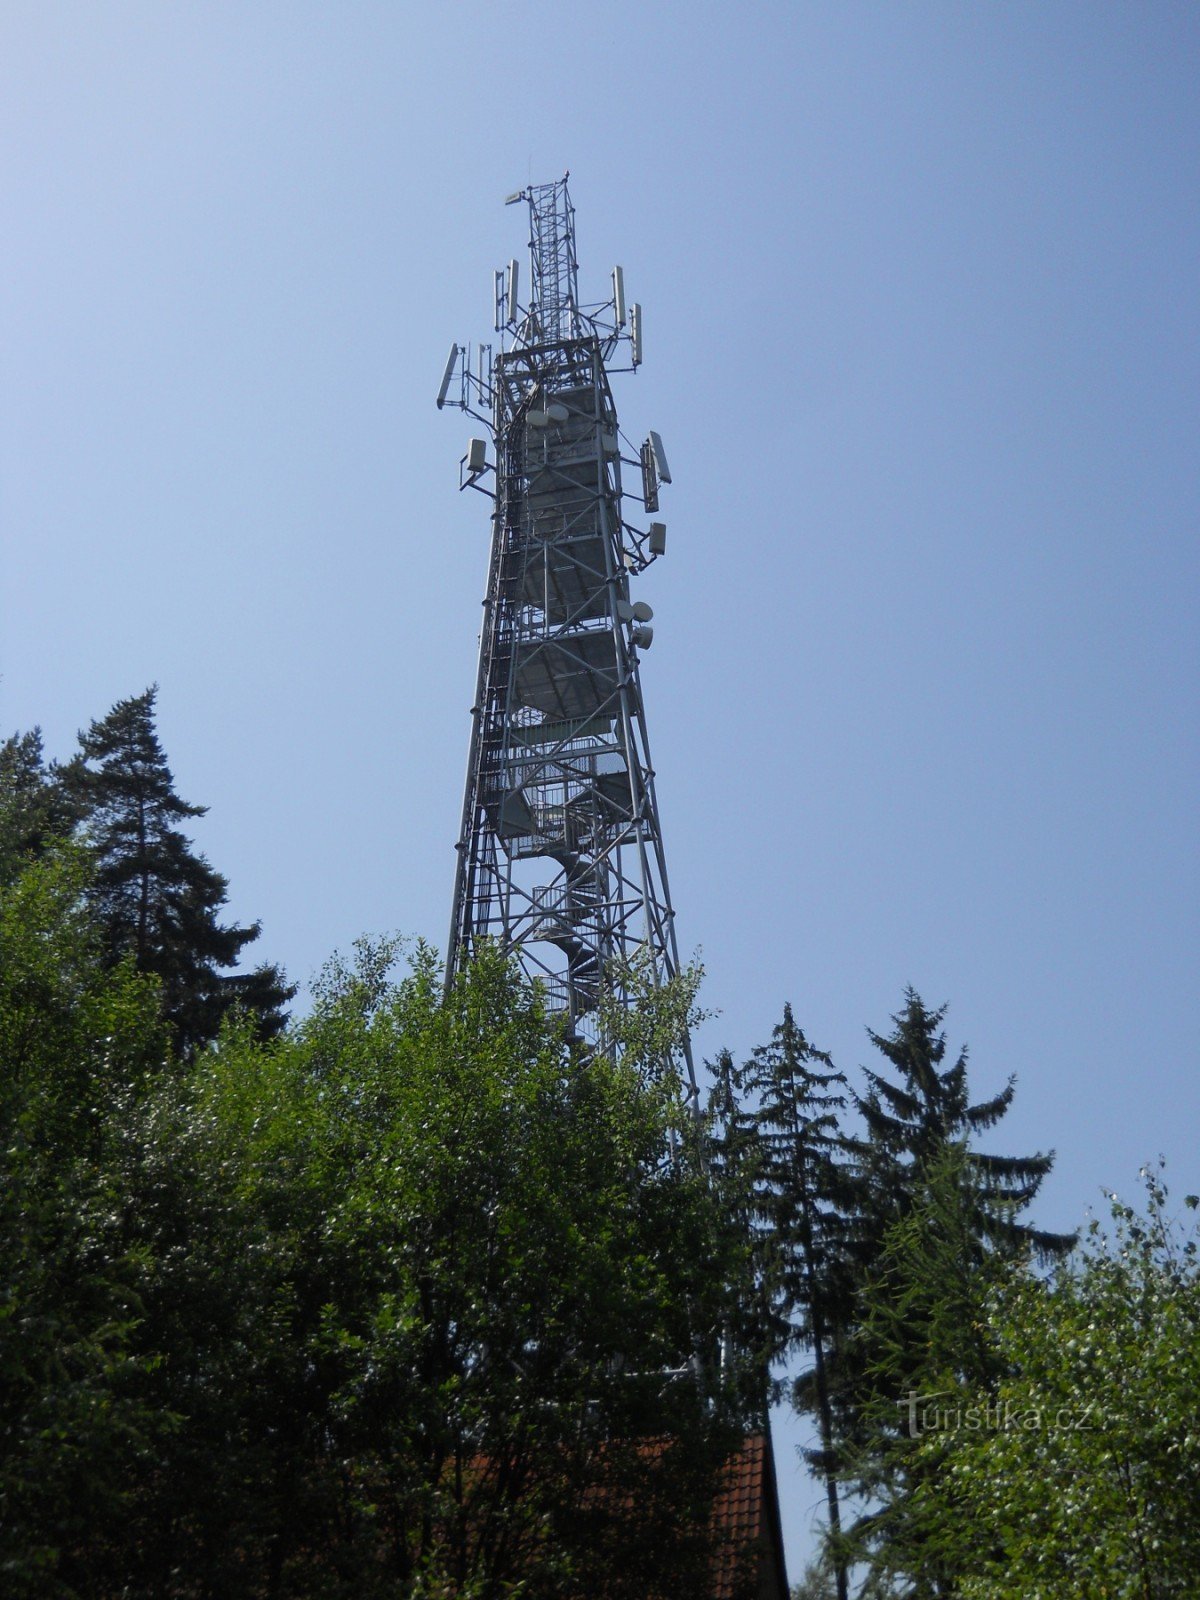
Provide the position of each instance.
(422, 1298)
(875, 1252)
(1083, 1477)
(493, 1265)
(779, 1129)
(647, 1022)
(154, 898)
(78, 1045)
(818, 1581)
(408, 1301)
(35, 807)
(921, 1336)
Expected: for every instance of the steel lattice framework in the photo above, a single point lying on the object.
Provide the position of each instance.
(560, 852)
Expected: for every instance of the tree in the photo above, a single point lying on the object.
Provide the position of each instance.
(1081, 1475)
(79, 1043)
(921, 1338)
(156, 898)
(933, 1217)
(537, 1271)
(430, 1287)
(818, 1581)
(409, 1299)
(35, 807)
(874, 1246)
(778, 1122)
(910, 1124)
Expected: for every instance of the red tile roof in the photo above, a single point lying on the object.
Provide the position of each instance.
(746, 1515)
(748, 1561)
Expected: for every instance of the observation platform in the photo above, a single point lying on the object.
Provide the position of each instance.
(569, 675)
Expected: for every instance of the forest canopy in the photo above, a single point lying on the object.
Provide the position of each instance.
(390, 1303)
(412, 1295)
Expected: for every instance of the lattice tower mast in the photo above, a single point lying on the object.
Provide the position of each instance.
(560, 852)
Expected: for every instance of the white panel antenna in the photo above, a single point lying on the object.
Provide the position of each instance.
(660, 458)
(451, 362)
(658, 539)
(618, 278)
(650, 478)
(513, 273)
(635, 333)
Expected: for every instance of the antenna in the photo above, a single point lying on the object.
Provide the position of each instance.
(654, 472)
(635, 333)
(618, 279)
(451, 360)
(513, 272)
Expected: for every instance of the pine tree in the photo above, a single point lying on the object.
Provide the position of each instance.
(157, 899)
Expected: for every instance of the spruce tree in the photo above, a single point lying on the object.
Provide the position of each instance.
(833, 1213)
(156, 898)
(911, 1122)
(933, 1218)
(922, 1336)
(779, 1119)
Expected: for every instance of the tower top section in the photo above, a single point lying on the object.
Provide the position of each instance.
(553, 312)
(539, 309)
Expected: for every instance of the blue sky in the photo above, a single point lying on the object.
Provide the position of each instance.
(921, 338)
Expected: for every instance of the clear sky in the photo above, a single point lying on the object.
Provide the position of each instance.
(920, 291)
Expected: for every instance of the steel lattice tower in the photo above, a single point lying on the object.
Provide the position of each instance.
(560, 853)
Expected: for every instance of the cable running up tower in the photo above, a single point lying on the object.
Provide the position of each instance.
(560, 852)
